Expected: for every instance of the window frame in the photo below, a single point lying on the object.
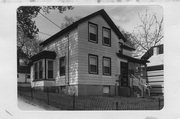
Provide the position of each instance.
(109, 45)
(36, 63)
(47, 74)
(89, 70)
(39, 69)
(89, 33)
(106, 74)
(60, 66)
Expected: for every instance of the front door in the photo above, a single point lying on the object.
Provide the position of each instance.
(124, 74)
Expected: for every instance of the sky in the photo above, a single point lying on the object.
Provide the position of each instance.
(124, 16)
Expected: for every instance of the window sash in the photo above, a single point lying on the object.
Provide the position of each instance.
(62, 67)
(40, 70)
(36, 71)
(93, 32)
(106, 66)
(93, 64)
(106, 36)
(50, 69)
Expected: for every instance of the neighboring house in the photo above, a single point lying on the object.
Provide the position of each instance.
(89, 57)
(155, 69)
(23, 70)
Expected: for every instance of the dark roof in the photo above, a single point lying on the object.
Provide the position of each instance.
(43, 55)
(75, 24)
(23, 69)
(149, 53)
(131, 59)
(128, 47)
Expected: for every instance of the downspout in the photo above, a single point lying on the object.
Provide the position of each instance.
(45, 68)
(68, 57)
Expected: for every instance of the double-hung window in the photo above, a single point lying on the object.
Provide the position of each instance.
(62, 66)
(40, 70)
(106, 36)
(93, 64)
(93, 33)
(50, 69)
(106, 66)
(36, 71)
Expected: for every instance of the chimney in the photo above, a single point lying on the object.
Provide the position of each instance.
(155, 51)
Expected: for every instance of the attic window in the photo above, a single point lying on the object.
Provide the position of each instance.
(106, 36)
(93, 35)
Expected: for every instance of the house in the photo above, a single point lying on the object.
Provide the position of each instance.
(23, 70)
(89, 57)
(155, 69)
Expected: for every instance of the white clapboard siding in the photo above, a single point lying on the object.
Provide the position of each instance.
(157, 72)
(156, 78)
(85, 47)
(156, 81)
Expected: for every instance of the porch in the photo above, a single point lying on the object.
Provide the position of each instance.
(133, 76)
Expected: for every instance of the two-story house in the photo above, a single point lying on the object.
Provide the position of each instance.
(89, 57)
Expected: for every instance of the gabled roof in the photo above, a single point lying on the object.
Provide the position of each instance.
(75, 24)
(149, 53)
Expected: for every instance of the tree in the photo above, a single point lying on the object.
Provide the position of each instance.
(68, 21)
(149, 33)
(27, 40)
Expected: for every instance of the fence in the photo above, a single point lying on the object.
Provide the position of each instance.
(67, 102)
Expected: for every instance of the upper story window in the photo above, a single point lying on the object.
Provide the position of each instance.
(93, 64)
(36, 71)
(106, 36)
(40, 70)
(62, 66)
(50, 69)
(120, 47)
(106, 66)
(93, 32)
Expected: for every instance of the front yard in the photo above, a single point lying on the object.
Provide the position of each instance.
(66, 102)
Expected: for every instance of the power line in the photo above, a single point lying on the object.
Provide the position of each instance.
(45, 33)
(50, 20)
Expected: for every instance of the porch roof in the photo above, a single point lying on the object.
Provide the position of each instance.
(43, 55)
(131, 59)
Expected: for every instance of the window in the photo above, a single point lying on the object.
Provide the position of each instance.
(50, 69)
(36, 71)
(106, 89)
(62, 66)
(93, 64)
(120, 47)
(106, 66)
(40, 70)
(93, 34)
(106, 36)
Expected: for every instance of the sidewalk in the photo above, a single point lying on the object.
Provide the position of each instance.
(28, 105)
